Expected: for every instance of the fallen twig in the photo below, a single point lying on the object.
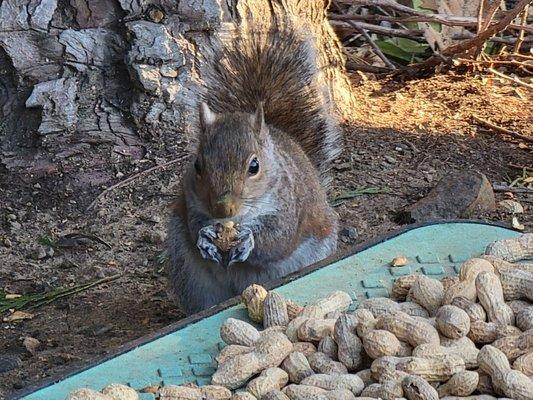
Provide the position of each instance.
(448, 20)
(492, 62)
(501, 129)
(134, 177)
(523, 21)
(413, 34)
(487, 33)
(511, 78)
(505, 188)
(510, 40)
(522, 167)
(369, 40)
(480, 15)
(468, 44)
(353, 66)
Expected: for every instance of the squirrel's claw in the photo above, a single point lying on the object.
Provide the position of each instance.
(242, 250)
(208, 249)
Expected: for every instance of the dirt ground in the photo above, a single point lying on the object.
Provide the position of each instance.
(405, 138)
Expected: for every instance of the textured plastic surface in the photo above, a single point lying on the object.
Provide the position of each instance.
(186, 355)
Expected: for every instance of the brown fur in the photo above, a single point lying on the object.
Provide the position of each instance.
(284, 205)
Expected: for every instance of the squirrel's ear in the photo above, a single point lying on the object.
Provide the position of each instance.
(207, 117)
(258, 119)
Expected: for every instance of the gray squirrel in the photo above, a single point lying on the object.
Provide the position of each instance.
(266, 141)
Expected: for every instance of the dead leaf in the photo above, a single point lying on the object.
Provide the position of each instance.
(514, 207)
(31, 344)
(18, 316)
(522, 145)
(529, 179)
(517, 224)
(12, 296)
(399, 261)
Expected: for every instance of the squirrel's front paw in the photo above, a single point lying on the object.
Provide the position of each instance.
(206, 245)
(245, 244)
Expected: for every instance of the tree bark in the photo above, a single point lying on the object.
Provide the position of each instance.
(85, 82)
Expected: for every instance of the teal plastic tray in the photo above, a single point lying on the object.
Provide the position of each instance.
(184, 352)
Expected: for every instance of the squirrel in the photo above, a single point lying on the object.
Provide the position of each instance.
(266, 140)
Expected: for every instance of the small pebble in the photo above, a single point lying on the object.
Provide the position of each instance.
(15, 225)
(349, 232)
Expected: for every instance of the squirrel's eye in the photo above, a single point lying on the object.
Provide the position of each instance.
(197, 167)
(253, 167)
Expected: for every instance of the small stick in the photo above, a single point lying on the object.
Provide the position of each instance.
(490, 14)
(519, 166)
(134, 177)
(480, 15)
(493, 62)
(444, 19)
(511, 78)
(501, 129)
(523, 21)
(484, 25)
(503, 188)
(354, 66)
(374, 46)
(523, 56)
(369, 40)
(504, 40)
(413, 34)
(468, 44)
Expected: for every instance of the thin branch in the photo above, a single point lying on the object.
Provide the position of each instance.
(383, 30)
(523, 21)
(504, 40)
(480, 15)
(491, 12)
(483, 36)
(448, 20)
(511, 78)
(134, 177)
(494, 7)
(503, 188)
(501, 129)
(491, 62)
(369, 40)
(374, 46)
(354, 66)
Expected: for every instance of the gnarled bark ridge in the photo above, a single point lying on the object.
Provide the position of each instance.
(82, 82)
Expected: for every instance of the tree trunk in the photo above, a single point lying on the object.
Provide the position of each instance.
(84, 83)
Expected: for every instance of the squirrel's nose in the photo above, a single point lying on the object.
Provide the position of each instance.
(226, 206)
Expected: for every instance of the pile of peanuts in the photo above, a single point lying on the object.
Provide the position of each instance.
(465, 337)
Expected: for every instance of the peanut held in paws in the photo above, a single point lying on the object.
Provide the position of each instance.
(226, 235)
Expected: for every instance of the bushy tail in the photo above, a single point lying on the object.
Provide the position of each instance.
(279, 68)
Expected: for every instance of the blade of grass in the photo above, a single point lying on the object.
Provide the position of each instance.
(32, 301)
(351, 194)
